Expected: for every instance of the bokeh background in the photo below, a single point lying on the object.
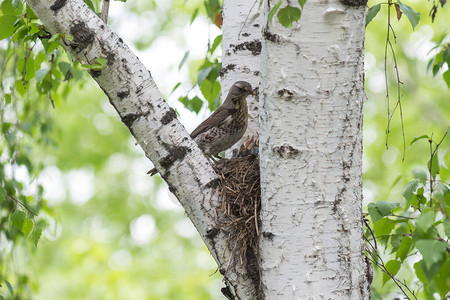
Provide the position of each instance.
(116, 233)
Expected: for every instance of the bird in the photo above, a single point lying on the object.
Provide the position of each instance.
(225, 126)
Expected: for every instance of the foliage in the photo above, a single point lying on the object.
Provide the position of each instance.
(417, 231)
(32, 77)
(441, 58)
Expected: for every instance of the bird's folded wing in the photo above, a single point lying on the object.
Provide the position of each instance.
(217, 118)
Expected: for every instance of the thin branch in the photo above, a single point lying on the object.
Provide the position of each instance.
(105, 10)
(377, 260)
(399, 83)
(432, 154)
(22, 204)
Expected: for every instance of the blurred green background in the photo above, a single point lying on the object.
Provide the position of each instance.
(116, 233)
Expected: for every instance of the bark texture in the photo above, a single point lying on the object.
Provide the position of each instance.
(311, 99)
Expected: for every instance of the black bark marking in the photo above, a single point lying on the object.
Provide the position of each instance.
(129, 119)
(213, 184)
(226, 291)
(285, 93)
(57, 5)
(354, 2)
(110, 56)
(226, 69)
(253, 46)
(268, 235)
(212, 233)
(175, 153)
(285, 151)
(82, 36)
(123, 93)
(169, 116)
(95, 73)
(275, 38)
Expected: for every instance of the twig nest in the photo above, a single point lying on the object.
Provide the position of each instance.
(239, 189)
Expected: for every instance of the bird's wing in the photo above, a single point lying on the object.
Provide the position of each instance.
(217, 118)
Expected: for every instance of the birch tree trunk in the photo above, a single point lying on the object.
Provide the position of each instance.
(241, 49)
(311, 98)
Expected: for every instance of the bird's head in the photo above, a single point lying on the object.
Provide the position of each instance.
(239, 91)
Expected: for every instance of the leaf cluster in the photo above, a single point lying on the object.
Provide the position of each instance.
(32, 70)
(417, 229)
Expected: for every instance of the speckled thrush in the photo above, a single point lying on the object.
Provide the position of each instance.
(226, 125)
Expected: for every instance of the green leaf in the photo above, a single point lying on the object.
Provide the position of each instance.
(442, 279)
(176, 86)
(8, 9)
(10, 288)
(413, 17)
(392, 266)
(418, 138)
(52, 44)
(202, 74)
(432, 251)
(274, 10)
(196, 104)
(183, 60)
(210, 90)
(425, 221)
(30, 13)
(194, 15)
(7, 26)
(447, 227)
(302, 3)
(409, 190)
(419, 272)
(64, 67)
(2, 194)
(383, 227)
(372, 12)
(403, 249)
(420, 174)
(434, 165)
(90, 4)
(17, 219)
(36, 235)
(288, 15)
(396, 240)
(446, 77)
(29, 71)
(381, 209)
(216, 43)
(27, 226)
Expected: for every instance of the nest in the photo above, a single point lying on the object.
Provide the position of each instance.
(239, 189)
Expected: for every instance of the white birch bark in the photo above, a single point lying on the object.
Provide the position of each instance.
(311, 98)
(241, 50)
(132, 91)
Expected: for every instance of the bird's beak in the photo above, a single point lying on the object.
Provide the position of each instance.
(253, 92)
